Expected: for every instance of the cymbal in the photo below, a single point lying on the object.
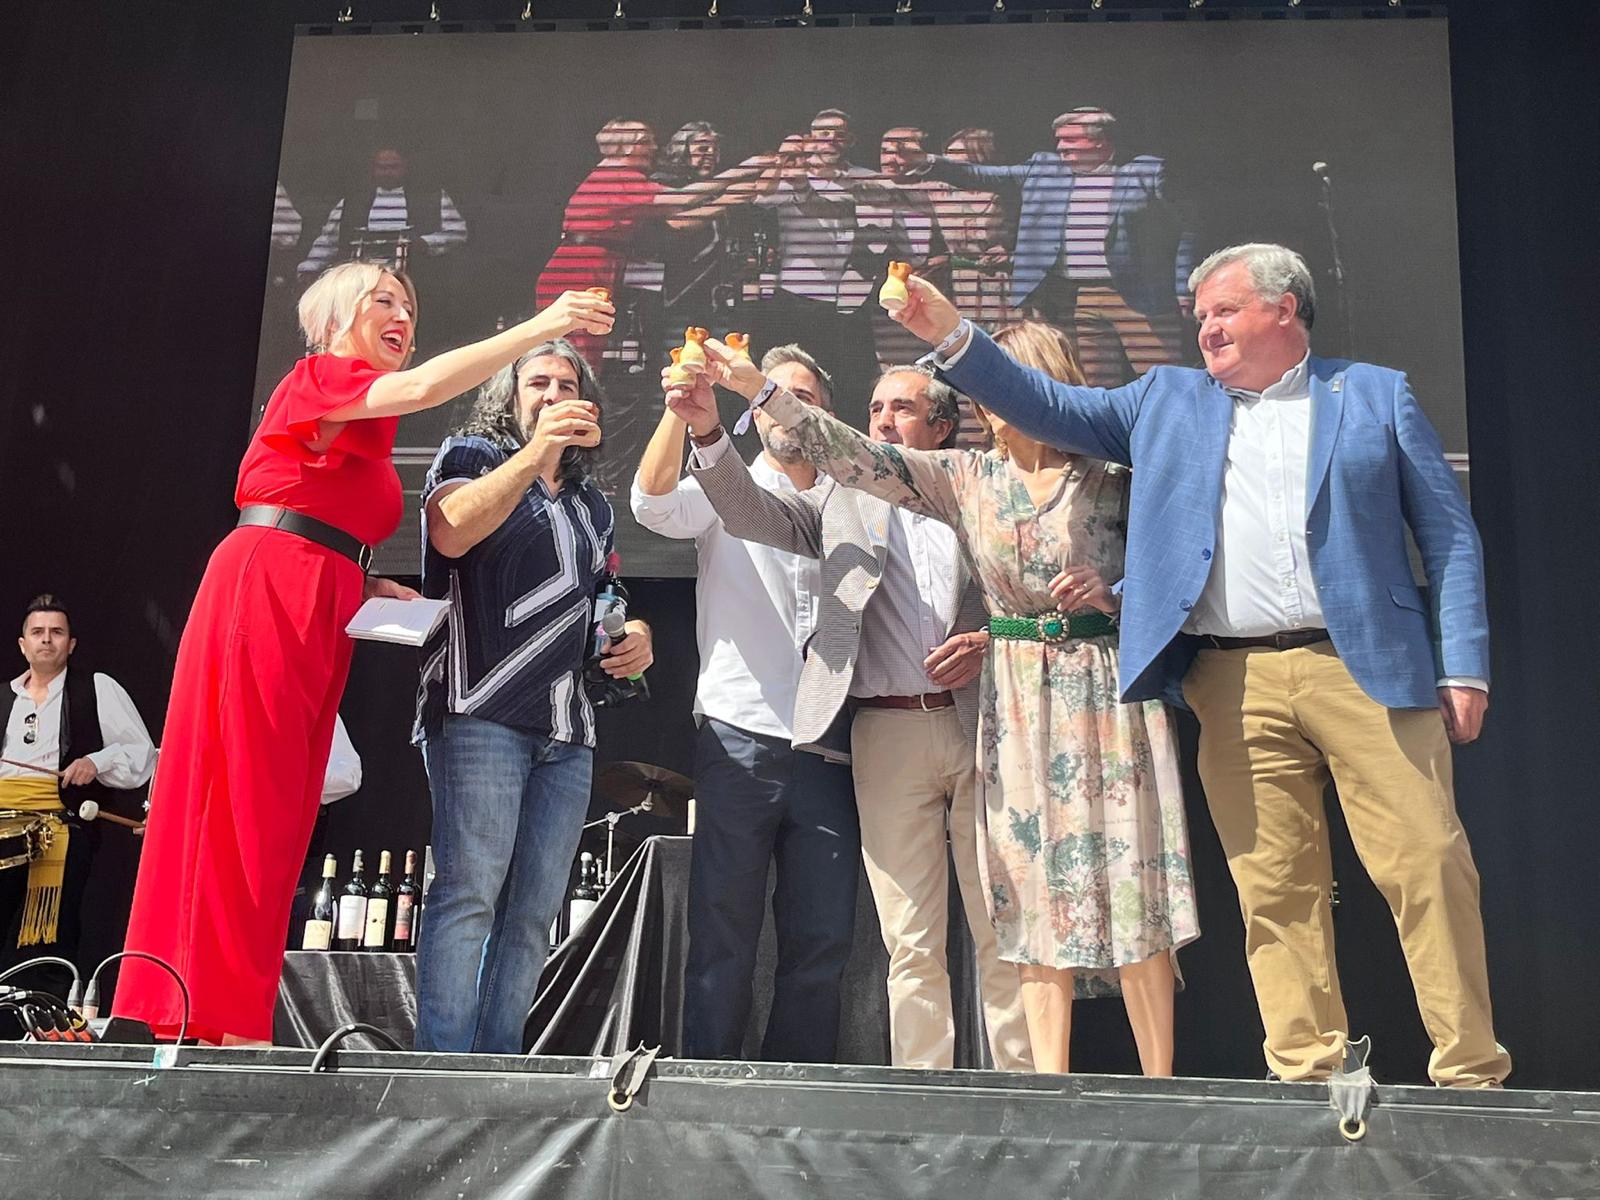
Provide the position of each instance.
(629, 784)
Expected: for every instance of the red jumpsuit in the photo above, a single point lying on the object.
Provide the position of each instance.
(260, 671)
(596, 230)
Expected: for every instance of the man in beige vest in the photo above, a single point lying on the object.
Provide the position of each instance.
(894, 660)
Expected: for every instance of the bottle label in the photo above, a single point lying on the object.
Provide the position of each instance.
(579, 911)
(319, 935)
(352, 917)
(377, 923)
(403, 906)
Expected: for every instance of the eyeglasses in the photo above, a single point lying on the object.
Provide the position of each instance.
(31, 734)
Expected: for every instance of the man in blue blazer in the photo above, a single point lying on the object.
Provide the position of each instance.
(1268, 587)
(1102, 250)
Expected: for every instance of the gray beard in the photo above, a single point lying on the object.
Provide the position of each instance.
(781, 446)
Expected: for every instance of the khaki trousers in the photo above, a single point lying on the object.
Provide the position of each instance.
(912, 770)
(1274, 726)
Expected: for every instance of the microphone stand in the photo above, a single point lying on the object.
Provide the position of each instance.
(1346, 323)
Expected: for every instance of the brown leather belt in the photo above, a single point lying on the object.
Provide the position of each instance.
(1287, 640)
(927, 703)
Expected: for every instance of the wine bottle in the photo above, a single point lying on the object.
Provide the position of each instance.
(376, 937)
(405, 907)
(352, 909)
(585, 895)
(319, 924)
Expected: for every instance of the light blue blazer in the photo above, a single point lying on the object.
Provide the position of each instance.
(1375, 469)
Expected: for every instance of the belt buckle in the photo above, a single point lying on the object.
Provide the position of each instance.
(1053, 628)
(364, 559)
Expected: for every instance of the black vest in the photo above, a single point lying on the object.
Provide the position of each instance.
(80, 735)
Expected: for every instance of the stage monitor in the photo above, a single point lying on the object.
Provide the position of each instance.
(760, 180)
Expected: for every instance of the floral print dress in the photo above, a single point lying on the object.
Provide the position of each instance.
(1084, 847)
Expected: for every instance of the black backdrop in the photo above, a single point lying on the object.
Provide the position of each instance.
(138, 146)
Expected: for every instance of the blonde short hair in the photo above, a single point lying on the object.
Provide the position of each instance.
(619, 135)
(328, 309)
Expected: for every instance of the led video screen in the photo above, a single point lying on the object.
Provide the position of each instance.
(760, 180)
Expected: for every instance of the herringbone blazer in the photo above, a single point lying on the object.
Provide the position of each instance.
(848, 531)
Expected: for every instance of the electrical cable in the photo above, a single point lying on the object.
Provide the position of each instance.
(344, 1031)
(91, 996)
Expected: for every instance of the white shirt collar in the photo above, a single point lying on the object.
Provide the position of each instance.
(1294, 382)
(19, 685)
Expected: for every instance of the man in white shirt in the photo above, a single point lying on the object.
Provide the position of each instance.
(70, 736)
(369, 222)
(758, 799)
(896, 660)
(1268, 587)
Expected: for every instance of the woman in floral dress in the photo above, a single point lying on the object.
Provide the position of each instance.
(1081, 812)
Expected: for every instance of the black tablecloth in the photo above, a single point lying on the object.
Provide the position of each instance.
(617, 982)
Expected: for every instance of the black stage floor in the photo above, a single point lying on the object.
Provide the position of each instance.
(104, 1122)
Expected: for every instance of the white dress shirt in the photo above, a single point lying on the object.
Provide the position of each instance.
(127, 758)
(343, 776)
(912, 610)
(755, 607)
(1260, 579)
(1088, 224)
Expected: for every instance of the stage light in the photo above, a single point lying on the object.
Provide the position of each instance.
(619, 15)
(346, 14)
(999, 5)
(902, 6)
(712, 11)
(1294, 3)
(433, 12)
(807, 12)
(527, 11)
(1197, 3)
(1096, 3)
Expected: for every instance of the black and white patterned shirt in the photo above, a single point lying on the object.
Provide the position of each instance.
(522, 602)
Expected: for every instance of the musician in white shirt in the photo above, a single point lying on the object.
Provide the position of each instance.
(69, 736)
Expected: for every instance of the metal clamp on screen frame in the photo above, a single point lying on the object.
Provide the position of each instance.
(629, 1070)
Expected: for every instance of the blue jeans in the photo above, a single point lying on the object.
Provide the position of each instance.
(758, 801)
(508, 811)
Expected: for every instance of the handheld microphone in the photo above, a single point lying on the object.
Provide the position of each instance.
(615, 626)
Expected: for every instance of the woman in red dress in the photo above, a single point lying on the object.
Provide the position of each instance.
(264, 657)
(604, 214)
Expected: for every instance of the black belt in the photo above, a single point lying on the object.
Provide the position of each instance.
(1288, 640)
(313, 530)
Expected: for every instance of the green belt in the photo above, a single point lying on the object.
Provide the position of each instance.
(1052, 627)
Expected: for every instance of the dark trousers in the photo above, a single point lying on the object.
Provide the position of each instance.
(758, 801)
(82, 843)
